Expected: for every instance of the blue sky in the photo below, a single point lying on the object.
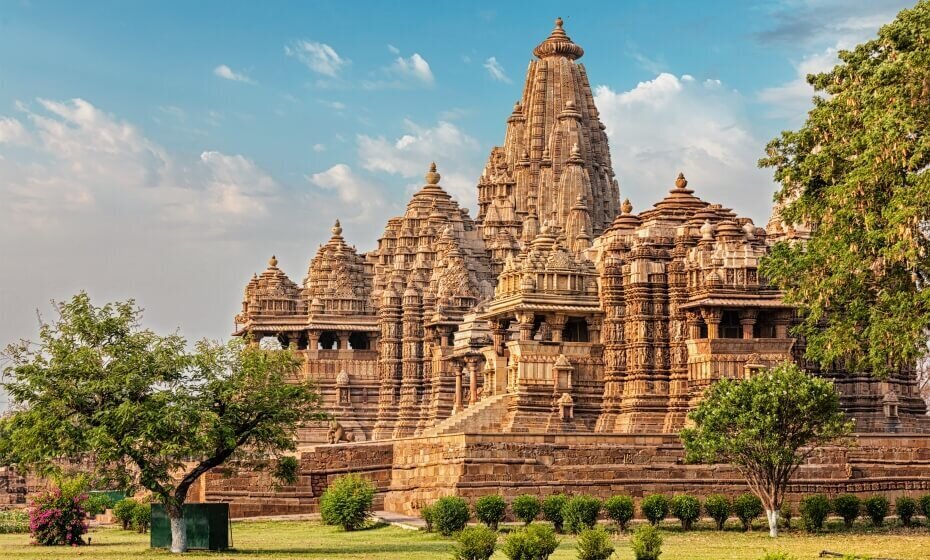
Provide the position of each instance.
(163, 150)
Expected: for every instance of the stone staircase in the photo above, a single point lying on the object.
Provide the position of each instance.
(484, 416)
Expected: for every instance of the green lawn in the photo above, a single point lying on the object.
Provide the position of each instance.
(303, 539)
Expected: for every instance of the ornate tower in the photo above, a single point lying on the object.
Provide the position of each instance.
(555, 151)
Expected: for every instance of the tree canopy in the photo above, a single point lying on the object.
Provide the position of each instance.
(856, 174)
(145, 409)
(766, 426)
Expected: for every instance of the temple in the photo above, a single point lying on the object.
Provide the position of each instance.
(557, 340)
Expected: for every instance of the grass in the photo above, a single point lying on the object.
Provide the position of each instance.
(304, 539)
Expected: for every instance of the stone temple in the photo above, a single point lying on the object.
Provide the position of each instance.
(553, 343)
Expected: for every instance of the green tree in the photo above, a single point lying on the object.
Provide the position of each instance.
(149, 411)
(855, 174)
(766, 426)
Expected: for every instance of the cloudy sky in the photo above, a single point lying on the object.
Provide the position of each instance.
(164, 150)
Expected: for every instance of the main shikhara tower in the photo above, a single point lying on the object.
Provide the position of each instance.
(555, 153)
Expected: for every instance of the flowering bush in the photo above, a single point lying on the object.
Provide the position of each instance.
(58, 517)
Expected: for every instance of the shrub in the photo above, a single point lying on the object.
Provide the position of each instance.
(141, 517)
(620, 509)
(450, 514)
(654, 508)
(97, 503)
(426, 512)
(552, 510)
(876, 508)
(475, 543)
(687, 509)
(747, 507)
(814, 510)
(923, 505)
(490, 510)
(122, 512)
(347, 502)
(905, 507)
(848, 507)
(718, 508)
(535, 542)
(526, 508)
(646, 543)
(786, 514)
(594, 544)
(14, 521)
(580, 513)
(58, 517)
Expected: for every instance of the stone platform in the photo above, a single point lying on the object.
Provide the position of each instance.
(413, 472)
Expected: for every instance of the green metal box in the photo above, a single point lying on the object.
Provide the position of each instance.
(207, 526)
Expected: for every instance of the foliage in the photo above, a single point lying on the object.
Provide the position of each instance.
(848, 507)
(286, 471)
(98, 503)
(490, 510)
(923, 504)
(718, 508)
(687, 509)
(747, 507)
(534, 542)
(14, 521)
(122, 511)
(814, 510)
(646, 543)
(426, 512)
(552, 510)
(57, 517)
(854, 172)
(580, 513)
(526, 508)
(766, 426)
(654, 508)
(475, 543)
(905, 507)
(347, 502)
(785, 513)
(450, 514)
(97, 383)
(876, 507)
(594, 544)
(141, 517)
(620, 509)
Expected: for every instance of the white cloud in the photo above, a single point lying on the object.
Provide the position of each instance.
(355, 192)
(228, 73)
(457, 155)
(496, 70)
(319, 57)
(415, 68)
(671, 124)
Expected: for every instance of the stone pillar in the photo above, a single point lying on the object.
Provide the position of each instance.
(748, 320)
(712, 317)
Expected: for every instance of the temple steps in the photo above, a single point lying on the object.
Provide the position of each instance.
(484, 416)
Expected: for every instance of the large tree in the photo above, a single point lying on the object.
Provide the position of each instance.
(144, 408)
(766, 426)
(856, 173)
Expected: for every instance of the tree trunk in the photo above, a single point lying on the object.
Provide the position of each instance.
(772, 515)
(178, 530)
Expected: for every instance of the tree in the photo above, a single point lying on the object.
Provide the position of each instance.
(855, 173)
(766, 426)
(147, 410)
